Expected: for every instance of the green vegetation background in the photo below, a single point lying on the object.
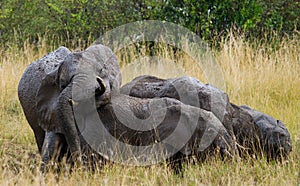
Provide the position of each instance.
(87, 19)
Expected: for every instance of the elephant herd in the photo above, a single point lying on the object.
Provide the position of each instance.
(65, 95)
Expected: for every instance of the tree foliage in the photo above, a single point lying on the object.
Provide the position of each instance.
(88, 19)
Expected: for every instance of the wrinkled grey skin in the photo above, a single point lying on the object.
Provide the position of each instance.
(209, 97)
(274, 137)
(250, 128)
(49, 90)
(29, 85)
(128, 107)
(245, 131)
(45, 93)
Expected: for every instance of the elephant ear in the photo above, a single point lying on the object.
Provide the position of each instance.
(49, 91)
(46, 101)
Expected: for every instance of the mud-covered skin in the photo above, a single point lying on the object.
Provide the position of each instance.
(128, 107)
(251, 129)
(274, 136)
(46, 93)
(29, 85)
(208, 97)
(246, 131)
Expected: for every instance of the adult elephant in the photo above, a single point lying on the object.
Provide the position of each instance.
(46, 92)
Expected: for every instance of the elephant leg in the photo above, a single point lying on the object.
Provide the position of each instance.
(39, 135)
(53, 149)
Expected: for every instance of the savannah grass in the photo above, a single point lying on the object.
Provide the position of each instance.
(260, 76)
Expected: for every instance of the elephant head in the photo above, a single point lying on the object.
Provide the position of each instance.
(275, 139)
(81, 78)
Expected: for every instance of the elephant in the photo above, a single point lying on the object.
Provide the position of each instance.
(185, 129)
(274, 137)
(254, 131)
(45, 93)
(209, 97)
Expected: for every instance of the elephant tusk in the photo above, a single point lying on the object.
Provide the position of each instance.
(72, 102)
(101, 82)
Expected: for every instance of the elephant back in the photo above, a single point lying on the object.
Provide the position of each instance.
(35, 72)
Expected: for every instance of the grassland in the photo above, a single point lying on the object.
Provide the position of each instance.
(263, 77)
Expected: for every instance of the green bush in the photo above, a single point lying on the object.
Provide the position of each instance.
(72, 20)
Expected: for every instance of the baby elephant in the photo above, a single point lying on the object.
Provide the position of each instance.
(253, 130)
(145, 131)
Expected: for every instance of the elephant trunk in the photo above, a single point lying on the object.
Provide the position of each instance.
(68, 124)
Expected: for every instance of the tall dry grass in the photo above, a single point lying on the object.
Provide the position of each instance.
(260, 77)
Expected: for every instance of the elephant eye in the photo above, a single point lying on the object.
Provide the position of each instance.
(63, 87)
(102, 73)
(64, 84)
